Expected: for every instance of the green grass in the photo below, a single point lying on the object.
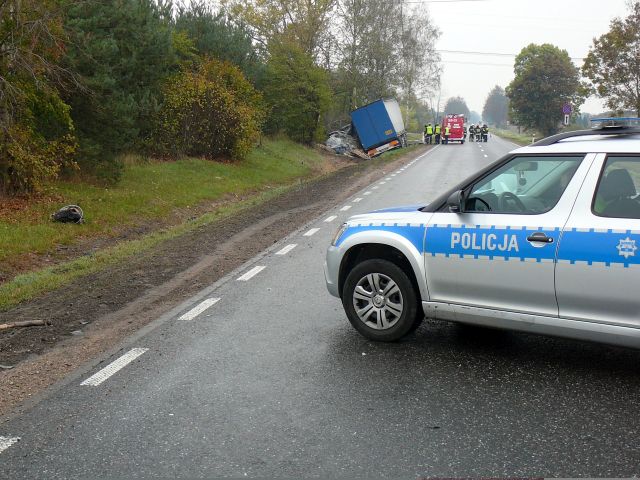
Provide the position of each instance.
(150, 191)
(518, 138)
(147, 192)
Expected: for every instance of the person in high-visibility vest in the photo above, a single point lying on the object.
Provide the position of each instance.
(428, 134)
(478, 133)
(485, 133)
(437, 131)
(447, 132)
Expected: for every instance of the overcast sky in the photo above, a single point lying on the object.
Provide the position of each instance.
(506, 26)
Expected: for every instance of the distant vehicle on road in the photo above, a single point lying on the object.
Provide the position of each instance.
(455, 122)
(545, 240)
(379, 126)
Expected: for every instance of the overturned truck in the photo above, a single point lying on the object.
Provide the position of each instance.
(375, 128)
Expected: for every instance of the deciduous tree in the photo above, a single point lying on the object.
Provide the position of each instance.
(496, 107)
(545, 79)
(457, 105)
(613, 63)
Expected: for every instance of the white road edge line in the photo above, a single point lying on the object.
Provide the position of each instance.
(311, 232)
(330, 219)
(6, 442)
(251, 273)
(194, 312)
(114, 367)
(287, 249)
(356, 200)
(345, 208)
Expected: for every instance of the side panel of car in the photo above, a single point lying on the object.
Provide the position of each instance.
(493, 260)
(598, 269)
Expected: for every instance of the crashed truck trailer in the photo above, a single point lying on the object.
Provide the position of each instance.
(379, 126)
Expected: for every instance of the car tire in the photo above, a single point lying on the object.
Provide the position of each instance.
(381, 301)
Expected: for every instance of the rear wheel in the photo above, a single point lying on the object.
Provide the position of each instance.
(381, 301)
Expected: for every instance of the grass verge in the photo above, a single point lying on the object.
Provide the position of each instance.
(517, 138)
(29, 285)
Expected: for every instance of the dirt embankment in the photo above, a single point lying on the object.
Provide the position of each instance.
(96, 312)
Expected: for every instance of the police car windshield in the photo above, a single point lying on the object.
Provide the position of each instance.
(527, 185)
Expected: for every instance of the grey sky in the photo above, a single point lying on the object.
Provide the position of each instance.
(506, 26)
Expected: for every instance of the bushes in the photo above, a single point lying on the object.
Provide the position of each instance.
(38, 144)
(211, 111)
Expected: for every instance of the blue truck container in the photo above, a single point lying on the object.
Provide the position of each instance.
(379, 126)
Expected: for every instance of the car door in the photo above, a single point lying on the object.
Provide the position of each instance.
(598, 270)
(499, 253)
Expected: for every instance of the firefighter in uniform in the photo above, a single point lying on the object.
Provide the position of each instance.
(437, 132)
(464, 132)
(428, 134)
(485, 133)
(478, 133)
(447, 132)
(471, 132)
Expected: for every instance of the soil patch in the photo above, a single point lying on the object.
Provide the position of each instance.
(97, 312)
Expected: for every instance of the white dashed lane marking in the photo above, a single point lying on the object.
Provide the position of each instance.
(6, 442)
(367, 193)
(356, 200)
(382, 183)
(251, 273)
(194, 312)
(287, 249)
(114, 367)
(345, 208)
(375, 188)
(330, 219)
(311, 232)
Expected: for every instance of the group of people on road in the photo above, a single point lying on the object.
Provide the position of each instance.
(436, 134)
(478, 133)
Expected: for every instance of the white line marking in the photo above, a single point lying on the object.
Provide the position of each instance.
(382, 183)
(251, 273)
(388, 178)
(345, 208)
(486, 156)
(330, 219)
(394, 174)
(367, 193)
(114, 367)
(356, 200)
(375, 188)
(287, 249)
(6, 442)
(194, 312)
(311, 232)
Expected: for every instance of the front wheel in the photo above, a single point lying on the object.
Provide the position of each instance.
(381, 301)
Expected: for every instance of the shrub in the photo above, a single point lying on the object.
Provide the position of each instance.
(210, 112)
(38, 145)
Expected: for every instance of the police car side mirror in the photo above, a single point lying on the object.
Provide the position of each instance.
(455, 202)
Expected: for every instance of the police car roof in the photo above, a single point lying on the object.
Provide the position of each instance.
(588, 144)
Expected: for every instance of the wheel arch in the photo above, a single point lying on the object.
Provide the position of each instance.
(367, 251)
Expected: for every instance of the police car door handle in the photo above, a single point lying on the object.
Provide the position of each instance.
(539, 237)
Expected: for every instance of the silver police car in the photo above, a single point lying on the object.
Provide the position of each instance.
(544, 240)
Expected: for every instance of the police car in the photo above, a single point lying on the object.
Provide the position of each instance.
(544, 240)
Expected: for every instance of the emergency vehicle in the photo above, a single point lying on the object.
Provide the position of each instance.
(455, 122)
(545, 240)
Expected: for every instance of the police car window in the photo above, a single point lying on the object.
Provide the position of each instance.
(525, 185)
(617, 192)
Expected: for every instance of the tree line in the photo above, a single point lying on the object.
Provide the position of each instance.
(84, 81)
(546, 78)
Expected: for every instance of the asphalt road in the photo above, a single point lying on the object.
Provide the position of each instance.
(272, 381)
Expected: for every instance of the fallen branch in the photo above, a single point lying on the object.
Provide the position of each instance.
(28, 323)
